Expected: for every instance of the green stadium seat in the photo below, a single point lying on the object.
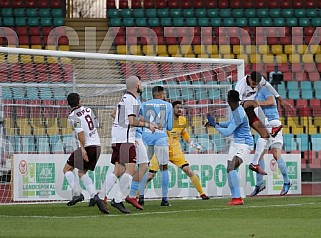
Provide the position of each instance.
(229, 22)
(238, 12)
(307, 94)
(225, 12)
(111, 13)
(279, 22)
(200, 12)
(56, 13)
(31, 12)
(178, 22)
(45, 12)
(187, 13)
(187, 93)
(299, 12)
(176, 13)
(291, 22)
(140, 13)
(166, 21)
(304, 22)
(33, 21)
(303, 141)
(141, 22)
(58, 21)
(128, 22)
(306, 85)
(126, 13)
(112, 22)
(203, 22)
(266, 22)
(6, 12)
(287, 13)
(275, 13)
(216, 22)
(191, 22)
(316, 22)
(8, 21)
(261, 13)
(294, 94)
(151, 13)
(162, 13)
(212, 13)
(19, 12)
(240, 22)
(153, 22)
(293, 85)
(20, 21)
(311, 13)
(250, 13)
(254, 22)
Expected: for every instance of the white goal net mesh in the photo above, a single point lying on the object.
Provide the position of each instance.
(34, 85)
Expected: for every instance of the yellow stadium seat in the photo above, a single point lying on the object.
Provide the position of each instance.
(250, 49)
(24, 46)
(268, 59)
(64, 47)
(38, 59)
(297, 130)
(228, 56)
(302, 49)
(65, 60)
(286, 130)
(238, 49)
(51, 47)
(149, 50)
(135, 50)
(255, 58)
(199, 49)
(10, 128)
(281, 58)
(212, 49)
(191, 55)
(225, 49)
(25, 59)
(189, 130)
(318, 58)
(294, 59)
(264, 49)
(215, 56)
(24, 127)
(277, 49)
(173, 49)
(204, 55)
(196, 121)
(12, 58)
(38, 126)
(39, 47)
(289, 49)
(66, 131)
(121, 49)
(307, 58)
(314, 49)
(244, 57)
(177, 55)
(53, 129)
(163, 55)
(2, 58)
(186, 49)
(161, 49)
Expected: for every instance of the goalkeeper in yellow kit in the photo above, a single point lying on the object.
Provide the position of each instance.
(176, 155)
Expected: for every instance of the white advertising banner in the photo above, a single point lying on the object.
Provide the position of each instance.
(39, 177)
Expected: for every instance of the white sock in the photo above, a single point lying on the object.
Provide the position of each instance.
(108, 184)
(118, 194)
(260, 114)
(260, 147)
(69, 175)
(125, 183)
(89, 185)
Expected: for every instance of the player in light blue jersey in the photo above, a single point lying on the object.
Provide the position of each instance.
(241, 146)
(268, 104)
(160, 113)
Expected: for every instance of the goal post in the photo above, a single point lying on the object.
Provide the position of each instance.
(34, 85)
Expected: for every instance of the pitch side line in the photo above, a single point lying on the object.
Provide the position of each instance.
(156, 213)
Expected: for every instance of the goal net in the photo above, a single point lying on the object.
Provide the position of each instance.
(34, 85)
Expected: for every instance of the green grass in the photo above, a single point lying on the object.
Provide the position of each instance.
(259, 217)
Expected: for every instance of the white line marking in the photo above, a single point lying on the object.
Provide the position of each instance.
(156, 213)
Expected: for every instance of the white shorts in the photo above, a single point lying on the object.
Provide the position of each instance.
(141, 152)
(161, 153)
(276, 142)
(240, 150)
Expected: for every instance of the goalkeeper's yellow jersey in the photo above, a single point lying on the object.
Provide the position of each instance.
(179, 129)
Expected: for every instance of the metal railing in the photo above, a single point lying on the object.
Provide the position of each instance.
(86, 8)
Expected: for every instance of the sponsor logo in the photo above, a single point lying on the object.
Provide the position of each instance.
(23, 167)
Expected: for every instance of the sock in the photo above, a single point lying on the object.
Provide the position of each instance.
(259, 177)
(260, 147)
(235, 183)
(89, 185)
(260, 114)
(118, 194)
(165, 184)
(69, 175)
(284, 171)
(230, 184)
(197, 184)
(142, 184)
(124, 183)
(108, 185)
(133, 189)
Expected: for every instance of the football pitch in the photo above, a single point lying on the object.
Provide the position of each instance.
(291, 216)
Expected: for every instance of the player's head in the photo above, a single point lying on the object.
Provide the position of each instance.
(73, 99)
(178, 108)
(255, 78)
(233, 97)
(158, 92)
(133, 84)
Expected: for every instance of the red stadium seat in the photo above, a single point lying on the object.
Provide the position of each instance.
(120, 40)
(301, 103)
(161, 4)
(174, 4)
(5, 3)
(298, 4)
(136, 4)
(55, 3)
(250, 4)
(223, 4)
(22, 31)
(273, 3)
(34, 31)
(43, 4)
(211, 3)
(35, 40)
(198, 4)
(24, 40)
(186, 4)
(123, 4)
(30, 4)
(314, 76)
(308, 31)
(260, 4)
(286, 3)
(158, 30)
(285, 40)
(316, 103)
(310, 4)
(149, 4)
(18, 3)
(236, 4)
(63, 40)
(309, 67)
(46, 30)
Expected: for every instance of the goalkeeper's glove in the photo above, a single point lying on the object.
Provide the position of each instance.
(210, 120)
(196, 145)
